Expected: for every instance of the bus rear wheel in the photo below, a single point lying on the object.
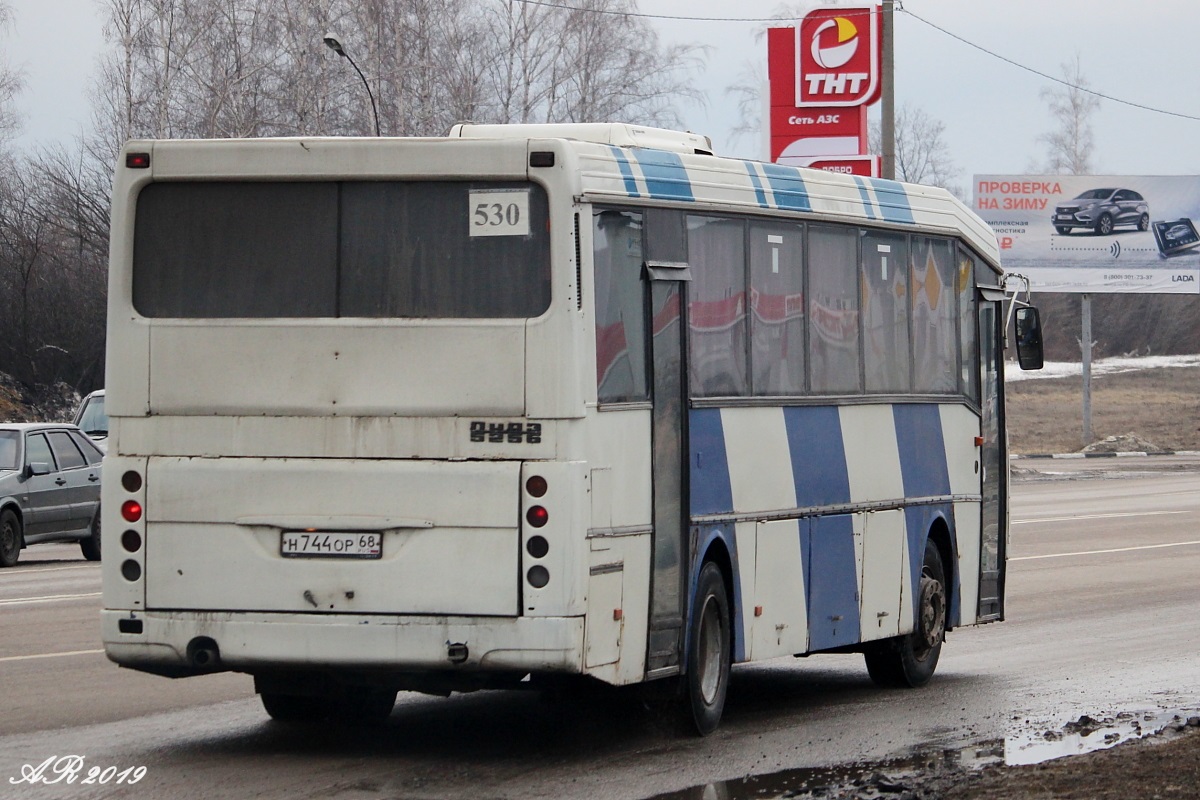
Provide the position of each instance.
(909, 661)
(355, 705)
(708, 653)
(294, 707)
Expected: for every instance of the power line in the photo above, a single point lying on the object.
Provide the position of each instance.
(609, 11)
(899, 7)
(993, 54)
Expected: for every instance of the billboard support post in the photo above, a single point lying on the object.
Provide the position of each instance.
(1085, 346)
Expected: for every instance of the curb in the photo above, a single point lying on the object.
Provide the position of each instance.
(1131, 454)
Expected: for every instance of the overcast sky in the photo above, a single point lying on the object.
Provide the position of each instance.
(1144, 52)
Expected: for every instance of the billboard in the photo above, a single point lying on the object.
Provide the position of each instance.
(1096, 233)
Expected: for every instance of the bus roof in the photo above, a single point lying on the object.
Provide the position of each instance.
(614, 162)
(620, 161)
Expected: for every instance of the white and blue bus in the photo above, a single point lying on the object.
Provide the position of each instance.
(443, 414)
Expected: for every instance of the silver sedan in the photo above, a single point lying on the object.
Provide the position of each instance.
(49, 488)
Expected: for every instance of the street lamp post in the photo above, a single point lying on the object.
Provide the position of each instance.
(334, 43)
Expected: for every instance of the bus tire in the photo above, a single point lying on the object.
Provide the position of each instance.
(909, 661)
(10, 538)
(362, 705)
(708, 653)
(90, 547)
(294, 707)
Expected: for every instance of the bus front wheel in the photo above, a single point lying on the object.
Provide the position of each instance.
(708, 653)
(909, 661)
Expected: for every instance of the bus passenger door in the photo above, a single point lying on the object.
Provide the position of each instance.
(669, 449)
(993, 464)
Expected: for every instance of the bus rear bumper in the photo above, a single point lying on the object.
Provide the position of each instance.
(187, 643)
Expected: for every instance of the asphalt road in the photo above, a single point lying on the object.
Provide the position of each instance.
(1102, 618)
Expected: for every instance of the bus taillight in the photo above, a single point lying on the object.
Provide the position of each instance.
(131, 510)
(537, 516)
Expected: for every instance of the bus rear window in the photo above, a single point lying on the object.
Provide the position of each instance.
(393, 249)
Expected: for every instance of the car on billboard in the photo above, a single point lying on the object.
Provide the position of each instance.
(1102, 210)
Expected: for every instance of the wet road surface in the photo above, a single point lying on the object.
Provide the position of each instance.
(1102, 618)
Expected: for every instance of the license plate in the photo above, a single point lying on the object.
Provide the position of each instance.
(1064, 216)
(330, 544)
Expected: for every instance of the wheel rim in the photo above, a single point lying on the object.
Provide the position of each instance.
(1105, 225)
(932, 617)
(710, 651)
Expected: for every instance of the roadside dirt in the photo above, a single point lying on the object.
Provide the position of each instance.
(1162, 766)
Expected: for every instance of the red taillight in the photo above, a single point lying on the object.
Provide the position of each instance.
(537, 516)
(137, 160)
(131, 510)
(536, 486)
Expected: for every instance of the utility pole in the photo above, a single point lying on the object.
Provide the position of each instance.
(887, 123)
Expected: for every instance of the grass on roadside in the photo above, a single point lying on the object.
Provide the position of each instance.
(1161, 406)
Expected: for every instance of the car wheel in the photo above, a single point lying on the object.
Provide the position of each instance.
(1144, 222)
(91, 545)
(10, 538)
(708, 654)
(910, 660)
(1062, 229)
(1104, 225)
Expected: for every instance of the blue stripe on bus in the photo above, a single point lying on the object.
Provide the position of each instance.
(666, 177)
(865, 194)
(818, 455)
(759, 194)
(833, 612)
(922, 450)
(626, 171)
(711, 491)
(894, 205)
(789, 188)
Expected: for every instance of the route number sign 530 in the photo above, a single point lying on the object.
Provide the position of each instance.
(502, 212)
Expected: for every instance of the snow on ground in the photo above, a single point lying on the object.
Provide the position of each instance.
(1101, 366)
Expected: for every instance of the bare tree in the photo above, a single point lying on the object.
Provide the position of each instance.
(922, 153)
(218, 68)
(1071, 145)
(11, 83)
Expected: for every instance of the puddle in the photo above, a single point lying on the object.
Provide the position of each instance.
(1085, 735)
(872, 780)
(893, 777)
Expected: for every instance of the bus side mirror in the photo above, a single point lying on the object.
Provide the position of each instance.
(1029, 338)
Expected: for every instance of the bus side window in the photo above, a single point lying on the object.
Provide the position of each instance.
(934, 316)
(833, 308)
(717, 306)
(620, 321)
